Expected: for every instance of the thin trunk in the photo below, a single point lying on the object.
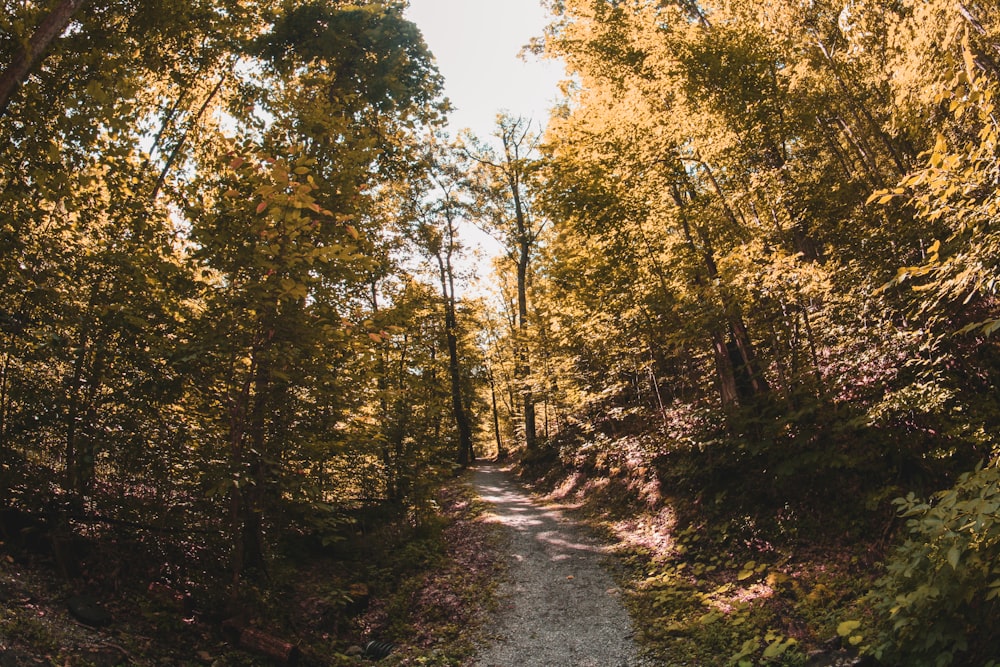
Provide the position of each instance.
(860, 108)
(48, 30)
(811, 339)
(758, 383)
(180, 142)
(381, 384)
(4, 408)
(831, 143)
(737, 225)
(656, 390)
(779, 364)
(465, 451)
(73, 419)
(238, 407)
(524, 363)
(863, 150)
(253, 491)
(723, 363)
(501, 452)
(6, 446)
(172, 111)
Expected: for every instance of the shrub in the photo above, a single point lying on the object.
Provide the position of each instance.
(938, 599)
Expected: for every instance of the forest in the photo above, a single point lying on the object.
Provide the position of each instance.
(745, 310)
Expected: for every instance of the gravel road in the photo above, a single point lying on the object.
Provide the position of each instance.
(558, 607)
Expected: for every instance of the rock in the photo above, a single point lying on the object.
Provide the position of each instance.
(86, 610)
(354, 651)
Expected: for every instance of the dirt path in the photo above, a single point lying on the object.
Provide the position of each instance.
(559, 607)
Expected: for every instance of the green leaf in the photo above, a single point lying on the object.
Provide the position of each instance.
(847, 627)
(776, 649)
(954, 554)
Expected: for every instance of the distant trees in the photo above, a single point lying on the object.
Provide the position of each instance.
(503, 183)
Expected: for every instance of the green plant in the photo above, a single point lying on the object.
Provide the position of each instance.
(938, 600)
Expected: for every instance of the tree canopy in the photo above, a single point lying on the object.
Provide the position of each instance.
(753, 249)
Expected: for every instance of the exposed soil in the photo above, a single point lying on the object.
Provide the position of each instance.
(559, 606)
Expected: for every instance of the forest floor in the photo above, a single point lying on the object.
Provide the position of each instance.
(558, 606)
(430, 590)
(507, 572)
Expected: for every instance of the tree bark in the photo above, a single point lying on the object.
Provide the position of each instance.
(501, 451)
(465, 451)
(48, 30)
(523, 361)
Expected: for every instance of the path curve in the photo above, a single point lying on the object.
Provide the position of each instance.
(558, 607)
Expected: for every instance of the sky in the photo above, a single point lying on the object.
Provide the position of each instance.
(476, 44)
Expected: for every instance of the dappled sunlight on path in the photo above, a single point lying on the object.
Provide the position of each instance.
(559, 606)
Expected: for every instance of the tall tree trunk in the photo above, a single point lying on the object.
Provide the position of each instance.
(25, 61)
(501, 451)
(725, 367)
(724, 375)
(523, 370)
(465, 451)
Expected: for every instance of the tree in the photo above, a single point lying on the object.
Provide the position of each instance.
(436, 233)
(503, 183)
(48, 29)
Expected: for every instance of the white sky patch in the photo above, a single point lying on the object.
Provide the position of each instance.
(476, 44)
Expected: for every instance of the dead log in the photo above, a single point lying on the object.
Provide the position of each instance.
(269, 645)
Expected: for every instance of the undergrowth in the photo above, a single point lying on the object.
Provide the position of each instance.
(423, 586)
(716, 573)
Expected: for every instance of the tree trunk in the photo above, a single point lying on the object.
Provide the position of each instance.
(501, 452)
(465, 451)
(47, 31)
(254, 488)
(523, 360)
(724, 371)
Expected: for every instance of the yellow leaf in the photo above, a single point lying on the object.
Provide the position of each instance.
(970, 63)
(878, 195)
(375, 337)
(352, 232)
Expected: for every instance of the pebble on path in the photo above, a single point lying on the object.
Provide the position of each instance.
(558, 607)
